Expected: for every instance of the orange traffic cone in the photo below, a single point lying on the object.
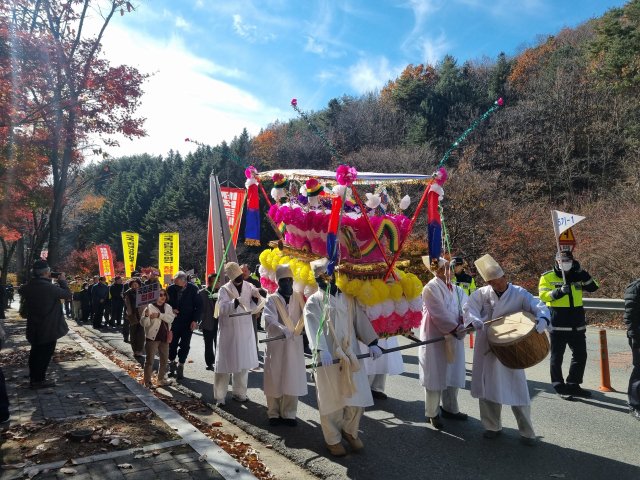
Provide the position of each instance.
(605, 378)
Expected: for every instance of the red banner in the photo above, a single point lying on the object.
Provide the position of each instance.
(105, 261)
(233, 199)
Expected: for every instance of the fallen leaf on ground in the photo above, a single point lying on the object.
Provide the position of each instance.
(216, 424)
(125, 466)
(115, 442)
(49, 440)
(181, 470)
(68, 471)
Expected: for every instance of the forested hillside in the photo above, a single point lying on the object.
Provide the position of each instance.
(567, 138)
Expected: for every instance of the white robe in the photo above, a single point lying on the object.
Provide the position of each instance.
(284, 367)
(236, 345)
(491, 380)
(441, 311)
(389, 363)
(327, 379)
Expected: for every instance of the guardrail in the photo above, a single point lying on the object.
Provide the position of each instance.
(603, 304)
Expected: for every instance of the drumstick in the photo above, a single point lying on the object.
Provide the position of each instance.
(272, 339)
(405, 347)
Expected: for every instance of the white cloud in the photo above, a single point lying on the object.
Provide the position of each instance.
(183, 98)
(314, 47)
(243, 29)
(434, 49)
(369, 75)
(182, 23)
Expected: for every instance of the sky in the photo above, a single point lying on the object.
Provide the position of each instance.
(218, 66)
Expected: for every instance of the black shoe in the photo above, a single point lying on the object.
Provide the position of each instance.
(210, 367)
(575, 390)
(290, 422)
(562, 391)
(436, 422)
(378, 395)
(42, 384)
(454, 416)
(275, 421)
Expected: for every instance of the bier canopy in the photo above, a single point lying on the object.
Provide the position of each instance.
(364, 178)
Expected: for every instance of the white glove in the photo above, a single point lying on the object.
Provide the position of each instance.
(287, 333)
(375, 352)
(326, 358)
(541, 325)
(477, 324)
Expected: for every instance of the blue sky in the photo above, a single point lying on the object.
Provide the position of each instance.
(220, 65)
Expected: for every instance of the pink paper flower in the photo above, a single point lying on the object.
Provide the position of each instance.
(294, 102)
(500, 102)
(346, 175)
(250, 171)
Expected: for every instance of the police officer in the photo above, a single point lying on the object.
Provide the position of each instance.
(568, 325)
(461, 278)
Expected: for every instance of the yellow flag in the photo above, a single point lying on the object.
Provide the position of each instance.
(169, 256)
(130, 251)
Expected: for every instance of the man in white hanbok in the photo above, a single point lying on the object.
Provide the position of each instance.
(493, 383)
(236, 343)
(285, 377)
(335, 322)
(442, 367)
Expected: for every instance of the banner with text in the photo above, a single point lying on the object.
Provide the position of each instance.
(169, 256)
(147, 294)
(233, 199)
(130, 251)
(105, 261)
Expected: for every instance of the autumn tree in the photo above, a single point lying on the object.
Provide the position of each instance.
(62, 88)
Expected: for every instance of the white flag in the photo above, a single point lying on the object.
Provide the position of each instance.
(563, 221)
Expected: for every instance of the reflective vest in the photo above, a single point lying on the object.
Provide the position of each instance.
(466, 282)
(566, 311)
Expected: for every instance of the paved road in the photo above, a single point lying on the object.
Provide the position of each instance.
(592, 439)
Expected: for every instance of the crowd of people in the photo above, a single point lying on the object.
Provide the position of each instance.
(228, 314)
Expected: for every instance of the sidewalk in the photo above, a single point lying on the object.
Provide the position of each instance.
(130, 434)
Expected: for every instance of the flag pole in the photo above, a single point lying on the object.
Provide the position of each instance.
(554, 220)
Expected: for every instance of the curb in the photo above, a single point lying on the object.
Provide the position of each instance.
(214, 455)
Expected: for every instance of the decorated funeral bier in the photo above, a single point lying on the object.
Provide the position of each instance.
(351, 218)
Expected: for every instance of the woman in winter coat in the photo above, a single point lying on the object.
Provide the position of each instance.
(132, 331)
(156, 320)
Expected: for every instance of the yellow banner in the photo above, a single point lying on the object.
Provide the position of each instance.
(169, 256)
(130, 251)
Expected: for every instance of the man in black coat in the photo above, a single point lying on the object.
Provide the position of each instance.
(117, 301)
(45, 320)
(208, 322)
(99, 298)
(186, 304)
(632, 321)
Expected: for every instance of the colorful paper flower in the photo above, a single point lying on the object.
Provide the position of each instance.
(314, 187)
(294, 102)
(346, 175)
(250, 171)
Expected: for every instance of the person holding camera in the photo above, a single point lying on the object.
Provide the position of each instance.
(45, 319)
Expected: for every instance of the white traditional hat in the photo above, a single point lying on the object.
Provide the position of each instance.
(488, 268)
(283, 271)
(442, 262)
(318, 267)
(232, 270)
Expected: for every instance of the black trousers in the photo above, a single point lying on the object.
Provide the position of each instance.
(39, 358)
(4, 398)
(210, 343)
(116, 312)
(97, 314)
(577, 342)
(86, 313)
(181, 342)
(634, 380)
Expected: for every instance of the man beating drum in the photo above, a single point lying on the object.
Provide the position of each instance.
(493, 383)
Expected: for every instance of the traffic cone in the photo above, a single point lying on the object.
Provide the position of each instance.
(605, 378)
